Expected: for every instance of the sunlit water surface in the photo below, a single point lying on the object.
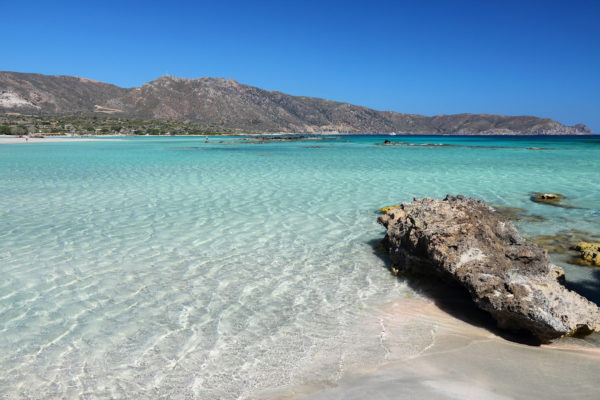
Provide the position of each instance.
(174, 268)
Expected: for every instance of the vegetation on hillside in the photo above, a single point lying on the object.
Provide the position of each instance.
(17, 124)
(205, 105)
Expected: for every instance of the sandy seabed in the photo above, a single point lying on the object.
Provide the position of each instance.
(427, 352)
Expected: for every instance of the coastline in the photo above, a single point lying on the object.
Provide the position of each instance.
(11, 139)
(52, 139)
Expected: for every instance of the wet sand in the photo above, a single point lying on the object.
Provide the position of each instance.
(467, 362)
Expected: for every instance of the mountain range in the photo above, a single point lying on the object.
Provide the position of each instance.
(226, 105)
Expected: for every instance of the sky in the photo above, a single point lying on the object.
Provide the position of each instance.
(524, 57)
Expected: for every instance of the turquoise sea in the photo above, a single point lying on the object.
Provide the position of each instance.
(174, 268)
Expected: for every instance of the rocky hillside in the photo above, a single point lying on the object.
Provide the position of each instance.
(224, 104)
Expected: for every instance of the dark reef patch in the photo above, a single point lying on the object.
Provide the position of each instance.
(517, 214)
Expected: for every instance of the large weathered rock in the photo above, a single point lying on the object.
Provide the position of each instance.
(465, 240)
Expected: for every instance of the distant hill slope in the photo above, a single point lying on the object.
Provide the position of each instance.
(228, 105)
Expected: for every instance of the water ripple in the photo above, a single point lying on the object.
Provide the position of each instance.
(136, 269)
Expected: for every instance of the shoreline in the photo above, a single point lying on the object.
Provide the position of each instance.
(11, 139)
(54, 139)
(463, 361)
(7, 138)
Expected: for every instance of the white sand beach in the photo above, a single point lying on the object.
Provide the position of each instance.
(52, 139)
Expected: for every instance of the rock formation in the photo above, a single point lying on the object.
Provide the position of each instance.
(552, 199)
(466, 241)
(385, 210)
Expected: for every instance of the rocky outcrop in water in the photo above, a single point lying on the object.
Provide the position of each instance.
(552, 199)
(590, 252)
(466, 241)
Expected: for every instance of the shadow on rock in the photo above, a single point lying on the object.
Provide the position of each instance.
(589, 288)
(451, 298)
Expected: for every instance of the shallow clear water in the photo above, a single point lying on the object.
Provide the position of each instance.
(175, 268)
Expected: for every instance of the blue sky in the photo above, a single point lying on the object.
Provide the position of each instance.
(427, 57)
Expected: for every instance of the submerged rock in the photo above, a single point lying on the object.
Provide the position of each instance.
(564, 243)
(388, 142)
(548, 197)
(517, 214)
(552, 199)
(277, 138)
(590, 252)
(465, 240)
